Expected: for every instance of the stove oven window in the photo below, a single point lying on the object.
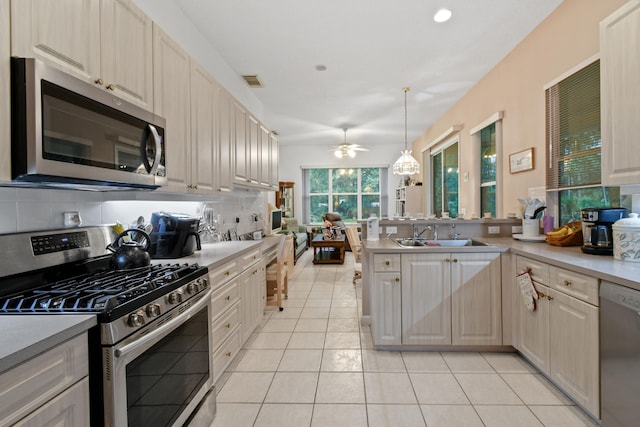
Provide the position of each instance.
(163, 380)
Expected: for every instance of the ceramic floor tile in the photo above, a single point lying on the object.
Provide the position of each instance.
(287, 313)
(336, 340)
(294, 302)
(268, 341)
(344, 303)
(315, 313)
(343, 325)
(259, 361)
(508, 363)
(487, 389)
(307, 340)
(564, 416)
(318, 303)
(343, 313)
(292, 387)
(320, 294)
(395, 415)
(438, 389)
(467, 362)
(383, 387)
(341, 360)
(382, 361)
(340, 387)
(235, 414)
(534, 389)
(366, 340)
(283, 415)
(451, 416)
(301, 360)
(236, 389)
(428, 362)
(280, 325)
(507, 416)
(332, 415)
(311, 325)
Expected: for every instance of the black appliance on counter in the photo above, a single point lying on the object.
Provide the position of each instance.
(596, 229)
(153, 322)
(173, 235)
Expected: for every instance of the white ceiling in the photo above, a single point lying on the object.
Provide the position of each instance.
(371, 48)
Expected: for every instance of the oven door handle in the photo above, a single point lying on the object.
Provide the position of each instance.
(169, 325)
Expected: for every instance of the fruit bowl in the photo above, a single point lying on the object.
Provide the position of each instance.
(568, 235)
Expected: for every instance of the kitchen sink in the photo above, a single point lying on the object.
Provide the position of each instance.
(413, 243)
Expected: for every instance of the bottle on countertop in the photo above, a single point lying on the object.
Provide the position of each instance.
(373, 228)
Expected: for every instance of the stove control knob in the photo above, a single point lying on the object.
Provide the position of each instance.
(175, 297)
(153, 310)
(193, 288)
(136, 319)
(204, 283)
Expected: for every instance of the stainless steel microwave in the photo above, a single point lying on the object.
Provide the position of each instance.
(68, 133)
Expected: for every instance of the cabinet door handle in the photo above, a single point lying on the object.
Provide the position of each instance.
(228, 354)
(397, 279)
(110, 87)
(567, 282)
(99, 81)
(228, 297)
(226, 273)
(228, 326)
(454, 260)
(387, 263)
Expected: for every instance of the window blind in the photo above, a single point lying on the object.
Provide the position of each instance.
(573, 130)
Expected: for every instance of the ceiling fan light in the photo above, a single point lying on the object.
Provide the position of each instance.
(406, 164)
(338, 153)
(351, 153)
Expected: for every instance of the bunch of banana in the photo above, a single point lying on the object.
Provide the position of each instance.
(565, 230)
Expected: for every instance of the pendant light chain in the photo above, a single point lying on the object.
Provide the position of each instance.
(406, 164)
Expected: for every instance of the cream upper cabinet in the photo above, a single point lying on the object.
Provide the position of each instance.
(172, 100)
(5, 93)
(255, 155)
(476, 289)
(265, 167)
(106, 42)
(204, 100)
(240, 143)
(225, 147)
(426, 299)
(620, 90)
(274, 152)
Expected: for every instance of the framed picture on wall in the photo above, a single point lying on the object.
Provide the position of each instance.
(521, 161)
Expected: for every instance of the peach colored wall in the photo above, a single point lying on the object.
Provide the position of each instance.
(569, 36)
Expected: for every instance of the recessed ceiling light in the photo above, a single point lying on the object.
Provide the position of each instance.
(442, 15)
(321, 67)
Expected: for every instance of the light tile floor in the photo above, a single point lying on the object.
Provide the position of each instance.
(313, 364)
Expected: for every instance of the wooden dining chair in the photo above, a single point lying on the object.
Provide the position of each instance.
(356, 248)
(278, 272)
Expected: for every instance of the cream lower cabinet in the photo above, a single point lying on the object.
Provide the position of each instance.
(52, 389)
(438, 299)
(560, 337)
(252, 284)
(5, 94)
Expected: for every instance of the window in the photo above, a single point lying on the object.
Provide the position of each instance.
(573, 144)
(354, 193)
(444, 176)
(488, 170)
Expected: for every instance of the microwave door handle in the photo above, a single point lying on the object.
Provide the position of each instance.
(168, 326)
(149, 128)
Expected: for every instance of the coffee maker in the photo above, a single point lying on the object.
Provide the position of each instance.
(596, 229)
(173, 235)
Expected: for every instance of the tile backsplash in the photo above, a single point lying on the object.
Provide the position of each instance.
(27, 209)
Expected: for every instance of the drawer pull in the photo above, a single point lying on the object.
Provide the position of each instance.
(397, 279)
(228, 297)
(228, 354)
(255, 272)
(228, 326)
(454, 260)
(387, 262)
(567, 282)
(226, 273)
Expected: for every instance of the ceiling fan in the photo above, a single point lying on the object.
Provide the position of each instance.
(345, 149)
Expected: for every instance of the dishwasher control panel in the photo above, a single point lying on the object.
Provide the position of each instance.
(624, 296)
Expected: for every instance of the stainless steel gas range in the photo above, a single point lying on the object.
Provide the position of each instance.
(150, 353)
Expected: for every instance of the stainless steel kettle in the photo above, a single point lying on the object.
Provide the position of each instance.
(130, 250)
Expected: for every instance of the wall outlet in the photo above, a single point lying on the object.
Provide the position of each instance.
(390, 230)
(494, 229)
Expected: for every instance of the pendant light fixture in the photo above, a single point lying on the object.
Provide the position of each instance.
(406, 164)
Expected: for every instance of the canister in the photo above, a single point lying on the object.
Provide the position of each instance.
(626, 238)
(373, 228)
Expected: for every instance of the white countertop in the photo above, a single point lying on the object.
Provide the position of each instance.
(26, 336)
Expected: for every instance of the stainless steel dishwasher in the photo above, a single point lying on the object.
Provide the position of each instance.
(619, 355)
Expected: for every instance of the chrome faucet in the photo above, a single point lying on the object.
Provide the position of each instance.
(417, 234)
(435, 232)
(453, 232)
